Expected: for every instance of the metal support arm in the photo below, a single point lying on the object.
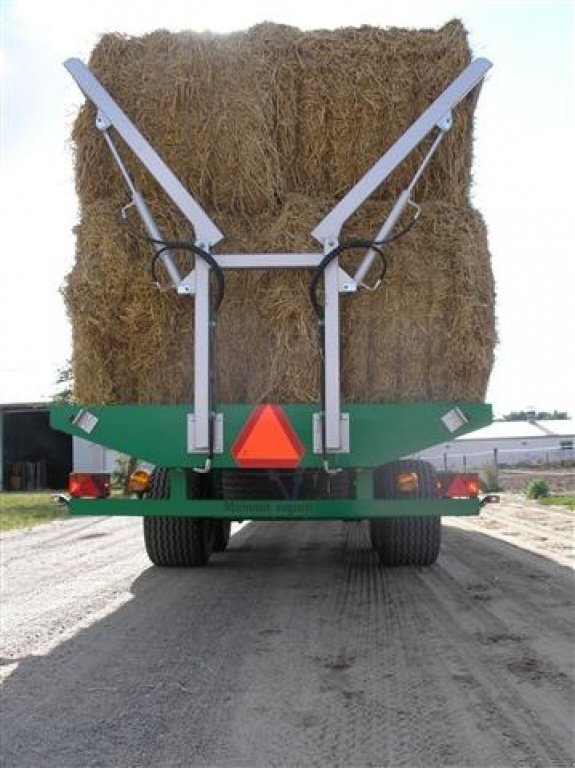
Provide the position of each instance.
(330, 226)
(403, 200)
(204, 227)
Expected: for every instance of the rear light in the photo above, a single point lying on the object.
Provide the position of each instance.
(82, 485)
(473, 487)
(139, 481)
(407, 482)
(460, 486)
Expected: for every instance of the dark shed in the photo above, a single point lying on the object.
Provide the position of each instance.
(32, 455)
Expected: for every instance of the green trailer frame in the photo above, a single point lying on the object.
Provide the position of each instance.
(378, 434)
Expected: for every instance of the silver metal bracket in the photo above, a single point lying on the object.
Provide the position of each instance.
(446, 122)
(317, 428)
(206, 469)
(102, 121)
(85, 420)
(125, 208)
(454, 419)
(346, 283)
(218, 424)
(267, 261)
(188, 285)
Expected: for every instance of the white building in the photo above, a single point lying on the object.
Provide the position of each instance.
(506, 443)
(502, 443)
(90, 457)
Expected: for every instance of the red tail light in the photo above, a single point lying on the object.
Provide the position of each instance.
(92, 486)
(463, 486)
(453, 485)
(473, 487)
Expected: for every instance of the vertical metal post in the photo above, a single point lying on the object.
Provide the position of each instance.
(202, 357)
(331, 358)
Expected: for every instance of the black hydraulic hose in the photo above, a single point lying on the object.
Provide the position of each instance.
(375, 245)
(328, 258)
(186, 245)
(180, 245)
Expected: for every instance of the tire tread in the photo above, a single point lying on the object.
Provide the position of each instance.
(175, 541)
(406, 540)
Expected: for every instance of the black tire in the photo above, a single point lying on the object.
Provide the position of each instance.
(406, 540)
(222, 530)
(177, 541)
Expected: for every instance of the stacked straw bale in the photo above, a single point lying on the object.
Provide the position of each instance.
(268, 128)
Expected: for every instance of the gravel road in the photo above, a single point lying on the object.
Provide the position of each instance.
(294, 648)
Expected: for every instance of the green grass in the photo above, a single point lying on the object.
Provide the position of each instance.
(566, 500)
(23, 509)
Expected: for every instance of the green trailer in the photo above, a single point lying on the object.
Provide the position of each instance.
(215, 463)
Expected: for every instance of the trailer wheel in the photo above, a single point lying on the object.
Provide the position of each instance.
(406, 540)
(222, 530)
(177, 541)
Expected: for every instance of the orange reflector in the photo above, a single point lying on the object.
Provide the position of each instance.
(91, 486)
(407, 482)
(268, 440)
(139, 481)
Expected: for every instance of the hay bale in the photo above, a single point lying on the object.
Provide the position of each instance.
(427, 335)
(268, 128)
(207, 105)
(359, 90)
(248, 117)
(128, 337)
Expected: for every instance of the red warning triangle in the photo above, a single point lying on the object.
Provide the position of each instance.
(268, 440)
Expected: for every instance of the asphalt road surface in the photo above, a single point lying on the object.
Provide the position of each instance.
(293, 648)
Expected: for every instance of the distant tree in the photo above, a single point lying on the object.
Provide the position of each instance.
(535, 415)
(65, 381)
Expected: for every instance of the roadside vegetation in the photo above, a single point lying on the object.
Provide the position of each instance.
(23, 509)
(537, 489)
(565, 500)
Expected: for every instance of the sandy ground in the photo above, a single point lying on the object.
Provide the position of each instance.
(294, 648)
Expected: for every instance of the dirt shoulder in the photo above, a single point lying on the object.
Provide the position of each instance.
(546, 530)
(518, 480)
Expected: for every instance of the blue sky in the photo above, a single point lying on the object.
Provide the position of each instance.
(523, 169)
